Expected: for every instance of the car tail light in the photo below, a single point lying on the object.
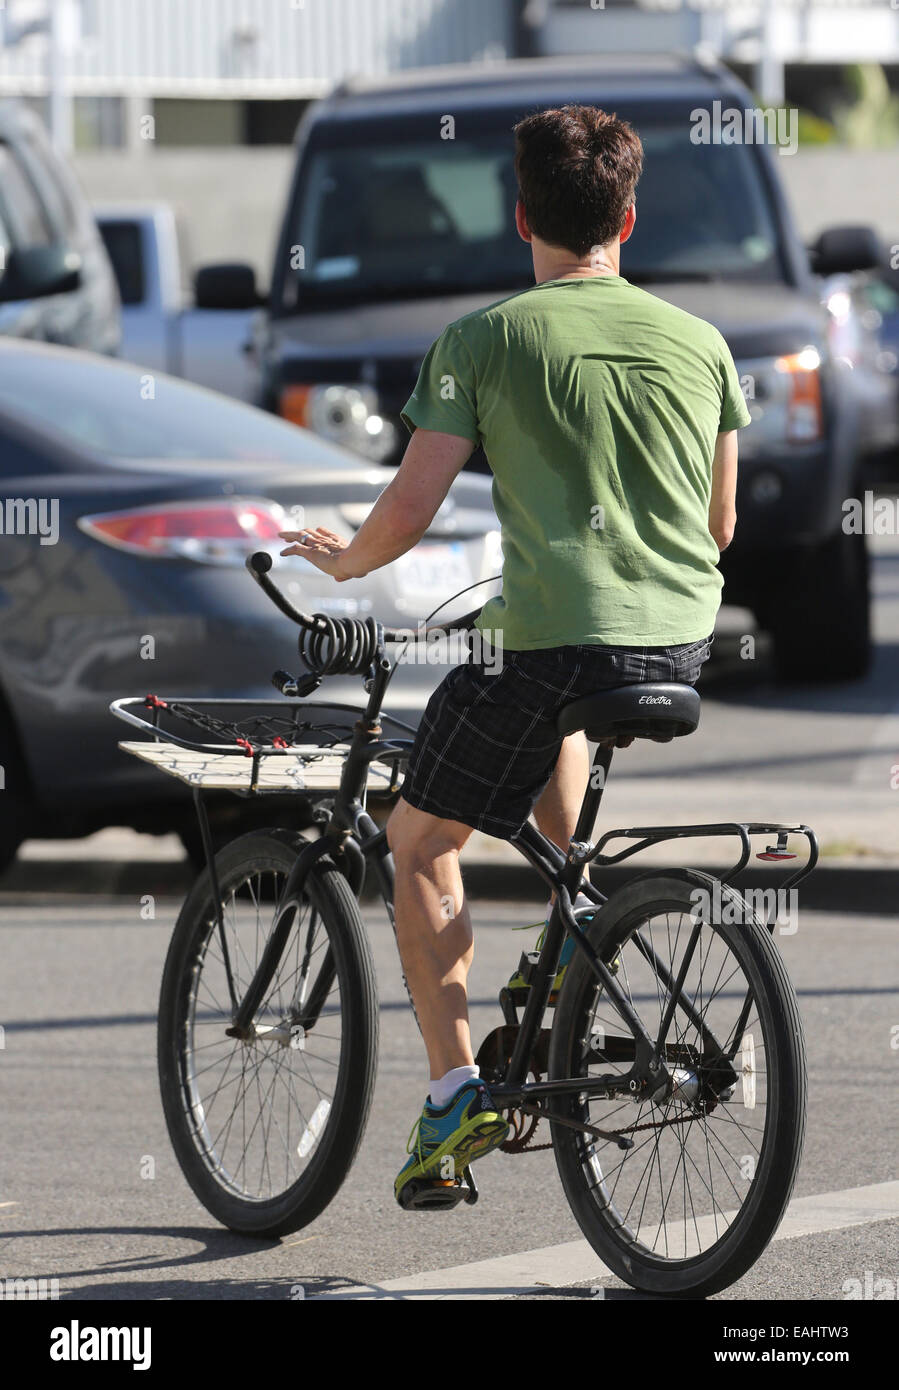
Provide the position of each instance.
(805, 420)
(210, 532)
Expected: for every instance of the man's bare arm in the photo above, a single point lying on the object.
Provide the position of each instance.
(399, 518)
(723, 503)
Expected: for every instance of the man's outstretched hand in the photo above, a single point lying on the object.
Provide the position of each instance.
(320, 546)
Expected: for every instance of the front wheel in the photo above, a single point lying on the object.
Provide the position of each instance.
(266, 1126)
(691, 1205)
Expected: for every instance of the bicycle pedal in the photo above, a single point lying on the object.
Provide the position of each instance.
(435, 1194)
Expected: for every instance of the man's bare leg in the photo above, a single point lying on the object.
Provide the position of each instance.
(556, 811)
(433, 925)
(433, 929)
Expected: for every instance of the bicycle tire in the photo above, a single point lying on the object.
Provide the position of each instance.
(586, 1187)
(335, 1147)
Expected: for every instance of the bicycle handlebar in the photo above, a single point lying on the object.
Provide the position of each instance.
(259, 565)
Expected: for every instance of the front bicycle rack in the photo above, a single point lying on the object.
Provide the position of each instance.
(270, 748)
(261, 752)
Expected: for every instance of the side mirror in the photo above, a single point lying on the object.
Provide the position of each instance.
(34, 272)
(226, 286)
(842, 249)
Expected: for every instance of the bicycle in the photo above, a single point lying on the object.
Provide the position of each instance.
(675, 1061)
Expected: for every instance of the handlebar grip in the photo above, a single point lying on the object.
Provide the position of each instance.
(259, 565)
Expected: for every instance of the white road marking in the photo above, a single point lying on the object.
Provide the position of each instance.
(576, 1262)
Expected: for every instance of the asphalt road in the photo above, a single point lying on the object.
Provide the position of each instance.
(83, 1116)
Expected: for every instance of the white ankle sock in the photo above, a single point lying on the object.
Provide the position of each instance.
(442, 1091)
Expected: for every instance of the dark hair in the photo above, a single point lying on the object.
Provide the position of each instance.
(577, 169)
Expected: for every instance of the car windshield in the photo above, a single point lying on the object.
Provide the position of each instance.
(381, 216)
(117, 411)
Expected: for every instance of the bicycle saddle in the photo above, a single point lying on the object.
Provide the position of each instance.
(660, 710)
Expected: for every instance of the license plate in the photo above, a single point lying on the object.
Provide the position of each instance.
(433, 571)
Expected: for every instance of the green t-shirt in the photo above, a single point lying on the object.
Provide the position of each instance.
(598, 406)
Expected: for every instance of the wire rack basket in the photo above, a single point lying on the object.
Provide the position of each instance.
(255, 746)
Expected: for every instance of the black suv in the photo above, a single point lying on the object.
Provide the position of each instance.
(56, 280)
(399, 220)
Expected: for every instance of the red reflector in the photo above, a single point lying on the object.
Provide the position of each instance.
(775, 854)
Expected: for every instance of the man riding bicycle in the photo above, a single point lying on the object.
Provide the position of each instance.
(609, 419)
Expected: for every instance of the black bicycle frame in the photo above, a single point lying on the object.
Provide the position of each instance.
(352, 839)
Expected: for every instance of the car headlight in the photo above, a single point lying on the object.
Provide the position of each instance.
(347, 415)
(784, 399)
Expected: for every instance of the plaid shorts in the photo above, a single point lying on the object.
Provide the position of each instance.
(487, 743)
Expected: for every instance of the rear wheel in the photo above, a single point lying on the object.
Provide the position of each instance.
(692, 1204)
(266, 1127)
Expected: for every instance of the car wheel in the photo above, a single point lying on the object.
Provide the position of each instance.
(819, 612)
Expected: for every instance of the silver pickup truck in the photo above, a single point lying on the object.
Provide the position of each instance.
(165, 327)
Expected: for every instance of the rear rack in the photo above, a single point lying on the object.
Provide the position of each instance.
(654, 834)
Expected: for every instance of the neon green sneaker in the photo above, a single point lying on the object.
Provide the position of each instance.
(521, 979)
(446, 1140)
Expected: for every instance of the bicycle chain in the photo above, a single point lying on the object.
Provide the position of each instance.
(528, 1148)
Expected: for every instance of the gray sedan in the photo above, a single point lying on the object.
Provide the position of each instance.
(129, 501)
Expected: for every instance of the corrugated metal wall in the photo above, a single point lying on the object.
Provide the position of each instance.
(254, 47)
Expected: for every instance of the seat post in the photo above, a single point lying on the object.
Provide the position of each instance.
(599, 771)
